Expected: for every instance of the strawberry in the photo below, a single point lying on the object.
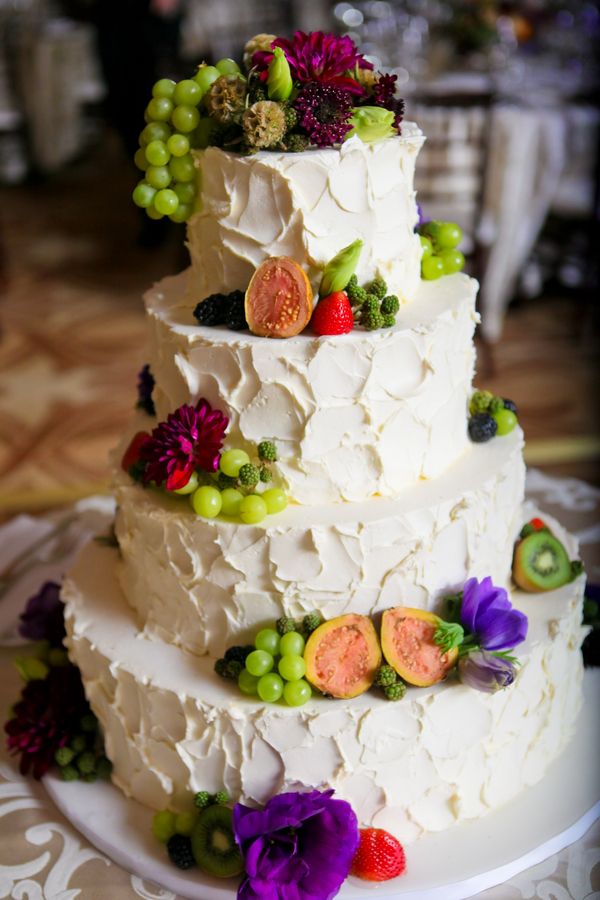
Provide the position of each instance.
(333, 315)
(132, 454)
(538, 524)
(379, 856)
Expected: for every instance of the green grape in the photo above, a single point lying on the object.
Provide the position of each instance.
(206, 501)
(186, 192)
(227, 66)
(140, 159)
(205, 77)
(431, 228)
(230, 501)
(246, 682)
(297, 693)
(158, 177)
(203, 133)
(184, 823)
(166, 202)
(157, 153)
(426, 246)
(292, 668)
(448, 235)
(291, 644)
(187, 93)
(160, 109)
(432, 267)
(154, 213)
(182, 213)
(276, 500)
(232, 461)
(164, 87)
(505, 420)
(178, 145)
(270, 688)
(163, 825)
(190, 487)
(453, 261)
(259, 662)
(253, 509)
(185, 118)
(182, 168)
(155, 131)
(143, 195)
(267, 639)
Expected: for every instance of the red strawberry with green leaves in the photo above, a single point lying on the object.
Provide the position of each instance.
(333, 315)
(379, 856)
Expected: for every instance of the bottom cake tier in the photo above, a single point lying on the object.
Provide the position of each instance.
(440, 756)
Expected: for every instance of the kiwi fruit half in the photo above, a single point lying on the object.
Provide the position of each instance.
(541, 563)
(213, 843)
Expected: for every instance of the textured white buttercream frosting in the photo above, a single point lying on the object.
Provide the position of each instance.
(440, 756)
(206, 584)
(307, 206)
(353, 415)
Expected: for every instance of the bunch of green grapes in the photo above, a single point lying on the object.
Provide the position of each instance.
(174, 127)
(276, 668)
(440, 241)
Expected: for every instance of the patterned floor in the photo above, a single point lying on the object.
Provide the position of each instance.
(72, 332)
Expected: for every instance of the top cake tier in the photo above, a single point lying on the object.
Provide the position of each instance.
(307, 206)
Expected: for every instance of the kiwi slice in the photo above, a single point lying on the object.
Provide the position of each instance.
(541, 563)
(213, 843)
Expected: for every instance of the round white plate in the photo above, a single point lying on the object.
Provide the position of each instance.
(452, 865)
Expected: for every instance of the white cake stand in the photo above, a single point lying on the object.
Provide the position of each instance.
(452, 865)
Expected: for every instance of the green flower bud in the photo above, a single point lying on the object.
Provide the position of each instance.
(339, 270)
(371, 123)
(279, 81)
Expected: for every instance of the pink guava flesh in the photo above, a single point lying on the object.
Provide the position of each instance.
(342, 660)
(416, 651)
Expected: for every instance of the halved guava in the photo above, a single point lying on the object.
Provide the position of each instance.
(408, 646)
(279, 299)
(342, 656)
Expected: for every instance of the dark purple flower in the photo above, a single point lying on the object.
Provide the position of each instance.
(485, 671)
(145, 386)
(488, 614)
(318, 57)
(190, 439)
(299, 847)
(324, 113)
(43, 619)
(47, 717)
(384, 94)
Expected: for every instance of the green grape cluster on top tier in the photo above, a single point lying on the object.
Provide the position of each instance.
(490, 416)
(175, 127)
(441, 255)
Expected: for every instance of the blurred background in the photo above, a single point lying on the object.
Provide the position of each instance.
(507, 94)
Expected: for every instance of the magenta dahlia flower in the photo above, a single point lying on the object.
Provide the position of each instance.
(324, 112)
(384, 95)
(190, 439)
(300, 846)
(318, 57)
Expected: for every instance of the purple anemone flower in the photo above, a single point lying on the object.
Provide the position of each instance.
(300, 846)
(488, 614)
(486, 672)
(43, 619)
(324, 112)
(145, 386)
(319, 57)
(190, 439)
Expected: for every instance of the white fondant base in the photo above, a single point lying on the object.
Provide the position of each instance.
(452, 865)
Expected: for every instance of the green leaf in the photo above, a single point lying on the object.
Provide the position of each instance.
(448, 635)
(339, 270)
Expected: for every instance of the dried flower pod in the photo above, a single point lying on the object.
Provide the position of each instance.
(225, 98)
(264, 124)
(339, 270)
(258, 42)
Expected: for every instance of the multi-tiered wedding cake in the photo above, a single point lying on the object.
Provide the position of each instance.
(390, 504)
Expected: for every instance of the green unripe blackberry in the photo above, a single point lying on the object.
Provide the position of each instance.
(390, 305)
(89, 723)
(480, 402)
(267, 451)
(265, 474)
(104, 767)
(395, 691)
(225, 481)
(79, 743)
(291, 118)
(378, 287)
(310, 622)
(221, 797)
(370, 305)
(284, 625)
(86, 762)
(249, 476)
(296, 143)
(69, 773)
(202, 799)
(496, 404)
(90, 777)
(371, 320)
(388, 321)
(356, 295)
(385, 676)
(63, 756)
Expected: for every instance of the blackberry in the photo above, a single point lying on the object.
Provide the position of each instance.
(378, 287)
(496, 404)
(510, 404)
(390, 305)
(229, 668)
(238, 654)
(482, 427)
(235, 314)
(356, 295)
(388, 321)
(267, 451)
(202, 799)
(480, 402)
(221, 797)
(86, 763)
(371, 320)
(225, 481)
(212, 310)
(180, 853)
(310, 622)
(385, 676)
(284, 625)
(249, 475)
(395, 691)
(69, 773)
(79, 743)
(64, 756)
(370, 305)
